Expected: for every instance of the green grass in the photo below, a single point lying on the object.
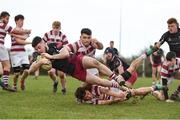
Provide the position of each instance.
(37, 101)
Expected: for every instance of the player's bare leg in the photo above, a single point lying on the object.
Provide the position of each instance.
(15, 80)
(52, 75)
(62, 76)
(89, 62)
(92, 79)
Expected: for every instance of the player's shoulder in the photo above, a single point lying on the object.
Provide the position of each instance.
(165, 64)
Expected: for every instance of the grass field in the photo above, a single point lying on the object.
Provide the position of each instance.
(37, 101)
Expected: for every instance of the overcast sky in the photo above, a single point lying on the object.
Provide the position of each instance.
(132, 24)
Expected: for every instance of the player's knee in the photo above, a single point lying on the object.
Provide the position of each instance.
(62, 76)
(6, 68)
(50, 72)
(126, 75)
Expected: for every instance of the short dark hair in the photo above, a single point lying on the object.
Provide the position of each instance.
(4, 14)
(109, 50)
(36, 40)
(80, 93)
(170, 55)
(17, 17)
(86, 31)
(111, 41)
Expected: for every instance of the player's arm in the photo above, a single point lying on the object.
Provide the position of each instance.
(118, 94)
(162, 40)
(21, 31)
(64, 53)
(21, 41)
(18, 36)
(107, 102)
(158, 44)
(37, 64)
(96, 44)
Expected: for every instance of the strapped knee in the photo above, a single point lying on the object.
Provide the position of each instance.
(126, 75)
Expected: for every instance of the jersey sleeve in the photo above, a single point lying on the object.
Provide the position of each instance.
(164, 71)
(45, 38)
(73, 47)
(163, 38)
(64, 40)
(9, 29)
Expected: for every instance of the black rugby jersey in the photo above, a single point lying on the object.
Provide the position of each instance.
(115, 62)
(60, 64)
(173, 40)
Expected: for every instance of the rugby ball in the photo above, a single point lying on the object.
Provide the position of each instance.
(47, 66)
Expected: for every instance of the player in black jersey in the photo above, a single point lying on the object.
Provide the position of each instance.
(119, 66)
(172, 37)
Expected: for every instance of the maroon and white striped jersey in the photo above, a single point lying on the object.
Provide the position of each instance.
(97, 95)
(79, 48)
(49, 37)
(15, 47)
(168, 71)
(3, 31)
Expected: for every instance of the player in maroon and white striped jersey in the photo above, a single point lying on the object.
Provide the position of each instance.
(18, 55)
(86, 46)
(60, 39)
(170, 70)
(95, 94)
(4, 57)
(56, 36)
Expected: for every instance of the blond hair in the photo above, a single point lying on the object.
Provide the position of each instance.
(56, 24)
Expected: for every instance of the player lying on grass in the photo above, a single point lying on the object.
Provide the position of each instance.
(76, 65)
(95, 94)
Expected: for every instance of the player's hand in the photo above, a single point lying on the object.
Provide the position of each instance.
(94, 42)
(45, 61)
(46, 55)
(59, 44)
(28, 31)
